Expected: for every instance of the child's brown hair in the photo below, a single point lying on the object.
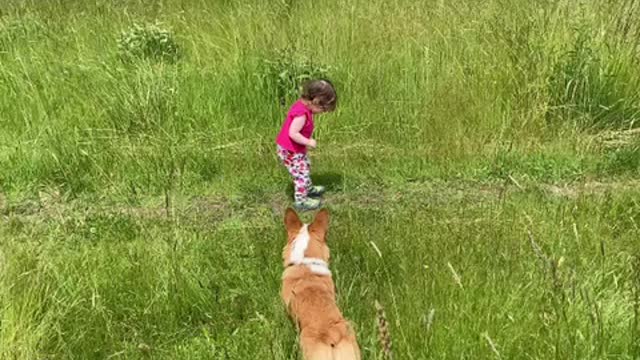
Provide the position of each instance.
(321, 93)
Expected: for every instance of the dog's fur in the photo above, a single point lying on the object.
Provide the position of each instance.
(308, 292)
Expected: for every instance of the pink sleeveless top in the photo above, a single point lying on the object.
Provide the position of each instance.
(283, 139)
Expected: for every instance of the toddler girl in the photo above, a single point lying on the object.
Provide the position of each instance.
(318, 96)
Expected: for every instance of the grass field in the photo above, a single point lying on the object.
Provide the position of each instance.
(483, 167)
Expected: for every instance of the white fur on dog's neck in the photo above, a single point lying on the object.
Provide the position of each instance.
(299, 246)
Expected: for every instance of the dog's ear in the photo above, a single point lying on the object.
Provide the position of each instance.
(320, 224)
(291, 221)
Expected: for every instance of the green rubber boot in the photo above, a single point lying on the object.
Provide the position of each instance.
(307, 205)
(316, 190)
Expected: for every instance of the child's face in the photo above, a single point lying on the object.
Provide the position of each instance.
(317, 109)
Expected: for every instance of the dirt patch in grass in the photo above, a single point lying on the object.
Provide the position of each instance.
(212, 210)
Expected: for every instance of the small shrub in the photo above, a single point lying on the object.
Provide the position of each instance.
(148, 42)
(284, 71)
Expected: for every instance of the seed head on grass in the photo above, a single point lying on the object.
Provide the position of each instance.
(429, 320)
(455, 275)
(383, 331)
(492, 345)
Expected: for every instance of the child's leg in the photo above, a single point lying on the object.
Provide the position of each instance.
(312, 191)
(302, 180)
(298, 167)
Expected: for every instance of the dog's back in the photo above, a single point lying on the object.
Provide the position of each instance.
(309, 294)
(324, 333)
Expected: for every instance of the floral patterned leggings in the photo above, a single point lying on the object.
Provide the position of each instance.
(299, 168)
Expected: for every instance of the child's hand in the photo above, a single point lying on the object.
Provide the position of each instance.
(312, 143)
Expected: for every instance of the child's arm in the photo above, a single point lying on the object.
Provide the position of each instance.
(294, 132)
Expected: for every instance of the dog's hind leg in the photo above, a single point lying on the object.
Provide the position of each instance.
(346, 349)
(314, 349)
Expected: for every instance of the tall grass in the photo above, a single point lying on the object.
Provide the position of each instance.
(439, 82)
(141, 199)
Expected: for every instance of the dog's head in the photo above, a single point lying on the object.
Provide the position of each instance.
(306, 241)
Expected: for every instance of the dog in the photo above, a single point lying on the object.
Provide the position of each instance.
(308, 291)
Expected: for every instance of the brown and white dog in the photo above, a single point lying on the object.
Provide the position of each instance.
(309, 293)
